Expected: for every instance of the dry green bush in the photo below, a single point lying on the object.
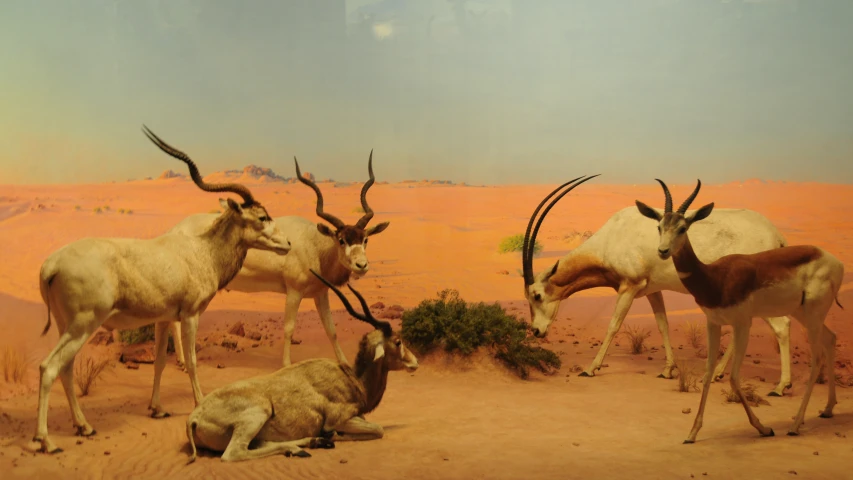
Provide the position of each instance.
(695, 332)
(688, 375)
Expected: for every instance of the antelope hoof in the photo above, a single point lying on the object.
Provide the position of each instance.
(47, 447)
(294, 341)
(324, 443)
(793, 434)
(826, 415)
(81, 431)
(664, 376)
(771, 434)
(688, 442)
(160, 414)
(719, 377)
(586, 374)
(774, 393)
(300, 454)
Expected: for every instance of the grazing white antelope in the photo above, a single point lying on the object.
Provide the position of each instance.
(310, 404)
(622, 255)
(336, 254)
(124, 283)
(799, 281)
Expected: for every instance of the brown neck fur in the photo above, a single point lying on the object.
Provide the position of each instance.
(330, 267)
(699, 281)
(228, 251)
(373, 375)
(580, 272)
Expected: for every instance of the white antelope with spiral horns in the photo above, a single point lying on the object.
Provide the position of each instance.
(126, 283)
(799, 281)
(335, 254)
(622, 255)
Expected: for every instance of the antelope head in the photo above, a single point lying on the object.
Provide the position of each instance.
(257, 228)
(351, 239)
(673, 226)
(541, 294)
(387, 344)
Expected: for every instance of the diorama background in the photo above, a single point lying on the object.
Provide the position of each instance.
(475, 111)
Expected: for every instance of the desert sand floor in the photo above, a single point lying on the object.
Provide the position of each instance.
(459, 419)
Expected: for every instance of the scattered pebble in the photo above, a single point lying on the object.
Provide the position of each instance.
(79, 442)
(792, 472)
(685, 411)
(756, 361)
(219, 365)
(106, 452)
(344, 460)
(651, 358)
(816, 453)
(132, 366)
(604, 365)
(841, 435)
(576, 444)
(445, 459)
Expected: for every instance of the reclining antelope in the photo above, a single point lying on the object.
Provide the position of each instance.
(336, 254)
(799, 281)
(310, 404)
(124, 283)
(622, 255)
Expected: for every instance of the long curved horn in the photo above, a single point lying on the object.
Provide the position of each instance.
(241, 190)
(542, 218)
(683, 207)
(368, 212)
(335, 221)
(668, 206)
(367, 317)
(526, 264)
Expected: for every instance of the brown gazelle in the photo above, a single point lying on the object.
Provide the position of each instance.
(310, 404)
(125, 283)
(799, 281)
(336, 254)
(622, 255)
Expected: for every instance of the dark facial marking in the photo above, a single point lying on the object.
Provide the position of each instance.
(351, 236)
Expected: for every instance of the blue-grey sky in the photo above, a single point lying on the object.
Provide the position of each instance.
(488, 91)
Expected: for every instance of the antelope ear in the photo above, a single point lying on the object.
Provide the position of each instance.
(380, 352)
(647, 211)
(325, 230)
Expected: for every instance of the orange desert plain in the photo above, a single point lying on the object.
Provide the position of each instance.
(450, 419)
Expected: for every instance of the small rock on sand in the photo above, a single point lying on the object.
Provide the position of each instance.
(237, 329)
(685, 411)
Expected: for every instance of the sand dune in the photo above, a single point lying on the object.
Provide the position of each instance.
(447, 420)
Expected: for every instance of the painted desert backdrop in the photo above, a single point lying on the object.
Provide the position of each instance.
(453, 418)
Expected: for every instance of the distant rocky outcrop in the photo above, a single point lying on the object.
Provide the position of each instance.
(170, 174)
(254, 173)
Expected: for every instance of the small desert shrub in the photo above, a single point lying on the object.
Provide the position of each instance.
(750, 394)
(87, 369)
(637, 338)
(128, 211)
(142, 335)
(106, 207)
(695, 332)
(688, 376)
(358, 210)
(97, 210)
(14, 365)
(120, 210)
(514, 243)
(77, 207)
(459, 327)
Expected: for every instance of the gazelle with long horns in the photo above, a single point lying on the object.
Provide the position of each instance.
(800, 281)
(310, 404)
(124, 283)
(622, 255)
(336, 253)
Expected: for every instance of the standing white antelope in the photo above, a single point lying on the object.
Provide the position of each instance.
(622, 255)
(798, 281)
(125, 283)
(310, 404)
(335, 254)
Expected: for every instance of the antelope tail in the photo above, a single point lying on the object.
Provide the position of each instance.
(45, 292)
(191, 437)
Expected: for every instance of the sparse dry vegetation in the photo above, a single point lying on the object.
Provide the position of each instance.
(128, 212)
(514, 243)
(695, 332)
(142, 335)
(688, 376)
(87, 370)
(637, 337)
(97, 210)
(450, 323)
(750, 394)
(77, 208)
(15, 364)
